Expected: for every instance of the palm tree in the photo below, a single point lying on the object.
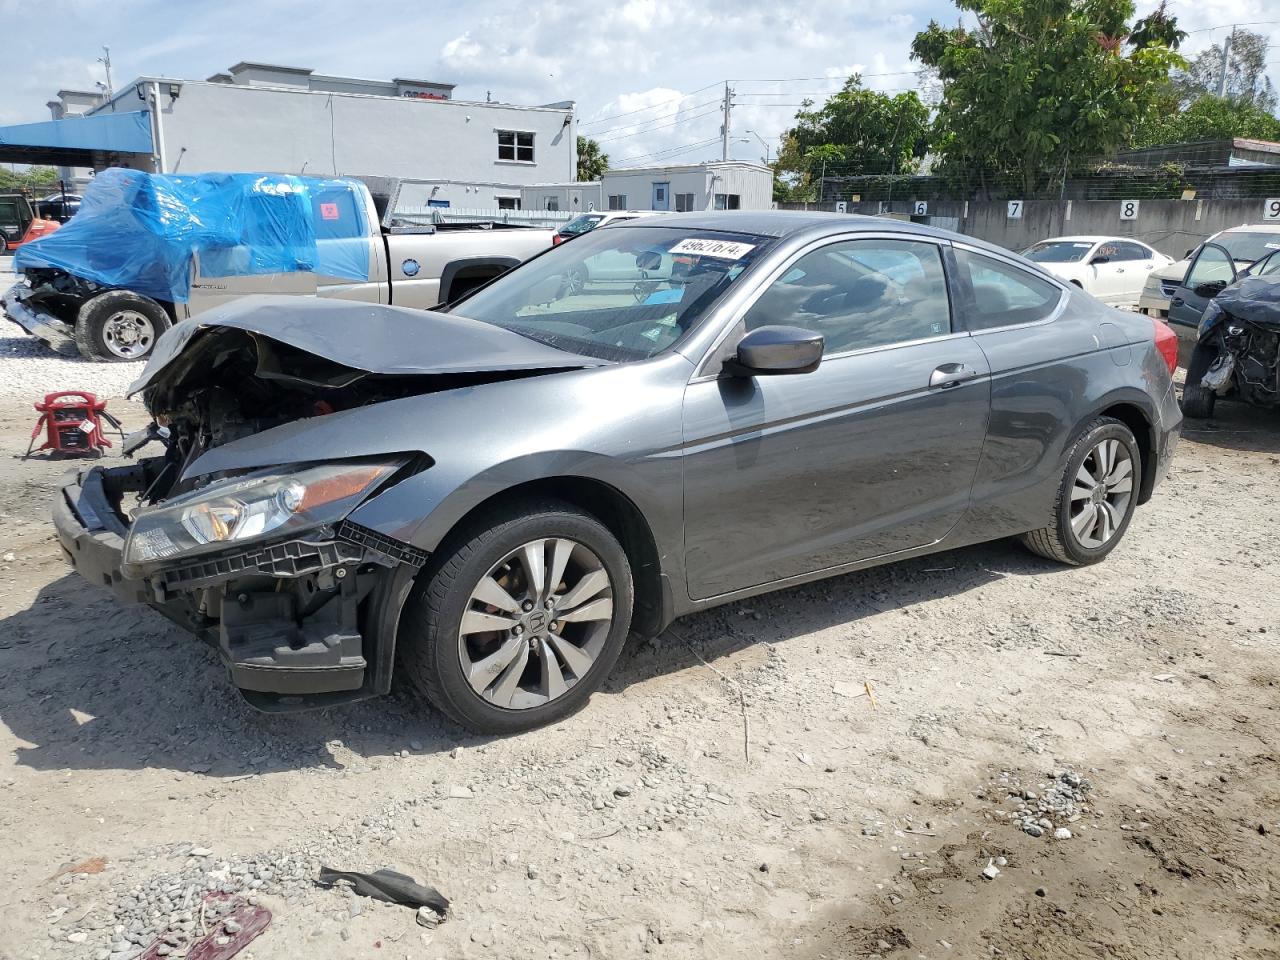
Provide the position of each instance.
(591, 162)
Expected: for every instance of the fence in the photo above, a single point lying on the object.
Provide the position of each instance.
(534, 218)
(1171, 226)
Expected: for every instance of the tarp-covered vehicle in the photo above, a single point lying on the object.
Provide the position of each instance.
(147, 250)
(1237, 351)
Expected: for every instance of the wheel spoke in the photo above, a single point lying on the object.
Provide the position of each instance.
(484, 672)
(509, 683)
(552, 677)
(476, 621)
(1123, 485)
(586, 588)
(489, 591)
(1119, 471)
(1083, 521)
(575, 658)
(601, 609)
(534, 560)
(1107, 515)
(561, 550)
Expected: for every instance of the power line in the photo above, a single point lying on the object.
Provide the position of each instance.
(673, 151)
(664, 126)
(640, 123)
(652, 106)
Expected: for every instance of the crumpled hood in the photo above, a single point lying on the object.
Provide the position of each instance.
(367, 337)
(1255, 299)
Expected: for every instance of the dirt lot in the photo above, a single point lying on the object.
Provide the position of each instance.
(733, 789)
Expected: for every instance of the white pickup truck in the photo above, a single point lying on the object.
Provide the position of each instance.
(408, 265)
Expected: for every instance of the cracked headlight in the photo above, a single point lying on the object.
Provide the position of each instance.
(1212, 314)
(267, 504)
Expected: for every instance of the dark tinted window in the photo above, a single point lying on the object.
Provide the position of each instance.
(861, 293)
(1004, 294)
(1131, 251)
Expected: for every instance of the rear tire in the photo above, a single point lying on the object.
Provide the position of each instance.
(1198, 402)
(432, 643)
(119, 326)
(1097, 458)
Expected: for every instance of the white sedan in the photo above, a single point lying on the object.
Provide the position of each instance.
(1113, 269)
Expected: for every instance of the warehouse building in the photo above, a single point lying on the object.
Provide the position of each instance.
(281, 119)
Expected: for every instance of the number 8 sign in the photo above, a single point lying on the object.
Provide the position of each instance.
(1128, 209)
(1271, 209)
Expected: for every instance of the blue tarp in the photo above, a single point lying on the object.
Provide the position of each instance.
(105, 132)
(141, 231)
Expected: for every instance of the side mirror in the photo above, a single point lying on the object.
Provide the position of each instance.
(777, 350)
(1209, 290)
(1101, 258)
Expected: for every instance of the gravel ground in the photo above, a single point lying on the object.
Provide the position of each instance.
(30, 369)
(1055, 763)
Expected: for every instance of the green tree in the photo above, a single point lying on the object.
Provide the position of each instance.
(1247, 80)
(592, 163)
(35, 179)
(1037, 85)
(1158, 28)
(1208, 118)
(857, 131)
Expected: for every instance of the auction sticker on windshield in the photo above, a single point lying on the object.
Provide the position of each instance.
(724, 249)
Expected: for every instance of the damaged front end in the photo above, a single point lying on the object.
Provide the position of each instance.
(45, 304)
(257, 556)
(1238, 345)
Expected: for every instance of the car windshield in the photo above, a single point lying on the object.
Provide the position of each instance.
(1058, 251)
(619, 294)
(1248, 246)
(580, 224)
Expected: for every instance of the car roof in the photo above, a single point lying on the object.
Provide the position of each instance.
(1086, 238)
(1251, 228)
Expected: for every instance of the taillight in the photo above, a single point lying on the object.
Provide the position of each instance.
(556, 239)
(1166, 343)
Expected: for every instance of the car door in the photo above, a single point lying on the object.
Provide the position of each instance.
(869, 454)
(1133, 262)
(1210, 271)
(1106, 273)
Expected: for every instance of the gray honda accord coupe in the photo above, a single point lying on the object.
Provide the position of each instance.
(495, 494)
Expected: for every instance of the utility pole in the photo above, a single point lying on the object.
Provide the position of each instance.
(105, 60)
(724, 126)
(1226, 60)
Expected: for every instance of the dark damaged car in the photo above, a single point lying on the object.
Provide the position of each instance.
(496, 495)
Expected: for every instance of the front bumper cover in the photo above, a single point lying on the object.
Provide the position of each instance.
(40, 323)
(280, 657)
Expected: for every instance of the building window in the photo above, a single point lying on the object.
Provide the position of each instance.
(617, 201)
(727, 201)
(553, 203)
(684, 202)
(514, 145)
(508, 203)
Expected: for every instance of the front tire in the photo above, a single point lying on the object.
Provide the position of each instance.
(517, 622)
(1096, 498)
(119, 326)
(1198, 402)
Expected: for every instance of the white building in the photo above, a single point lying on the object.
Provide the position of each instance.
(293, 120)
(726, 185)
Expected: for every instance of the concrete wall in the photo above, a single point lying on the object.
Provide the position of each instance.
(218, 126)
(1171, 226)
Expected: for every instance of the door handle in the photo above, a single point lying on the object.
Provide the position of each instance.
(1176, 300)
(1119, 269)
(951, 375)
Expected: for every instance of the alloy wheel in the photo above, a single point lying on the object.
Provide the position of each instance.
(1101, 494)
(128, 334)
(535, 623)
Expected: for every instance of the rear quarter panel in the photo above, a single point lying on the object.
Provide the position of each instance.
(1047, 381)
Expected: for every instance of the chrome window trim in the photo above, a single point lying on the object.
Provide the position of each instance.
(750, 297)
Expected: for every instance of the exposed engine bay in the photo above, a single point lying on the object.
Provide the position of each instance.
(263, 561)
(1238, 353)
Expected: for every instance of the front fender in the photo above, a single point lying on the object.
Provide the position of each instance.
(422, 509)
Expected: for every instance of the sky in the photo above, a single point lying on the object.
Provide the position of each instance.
(647, 75)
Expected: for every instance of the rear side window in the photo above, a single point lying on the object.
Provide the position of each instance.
(1003, 294)
(1131, 251)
